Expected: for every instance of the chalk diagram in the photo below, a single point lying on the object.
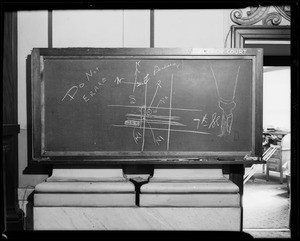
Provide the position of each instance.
(226, 105)
(150, 117)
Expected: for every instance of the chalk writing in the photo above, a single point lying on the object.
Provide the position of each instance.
(118, 80)
(161, 101)
(158, 69)
(136, 74)
(149, 104)
(88, 75)
(94, 89)
(153, 113)
(132, 123)
(158, 139)
(198, 121)
(147, 117)
(202, 122)
(214, 121)
(132, 99)
(136, 135)
(146, 79)
(71, 93)
(86, 99)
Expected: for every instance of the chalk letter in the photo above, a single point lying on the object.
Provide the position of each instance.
(204, 120)
(118, 80)
(197, 123)
(132, 99)
(85, 98)
(156, 70)
(146, 79)
(89, 74)
(71, 93)
(96, 89)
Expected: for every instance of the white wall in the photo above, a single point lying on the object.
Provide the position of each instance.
(32, 32)
(136, 28)
(189, 28)
(101, 28)
(88, 28)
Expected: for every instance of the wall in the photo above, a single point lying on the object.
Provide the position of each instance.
(32, 32)
(191, 28)
(128, 28)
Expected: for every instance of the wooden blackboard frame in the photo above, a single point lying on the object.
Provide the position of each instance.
(38, 111)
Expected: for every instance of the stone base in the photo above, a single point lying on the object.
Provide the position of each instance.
(190, 200)
(137, 218)
(84, 200)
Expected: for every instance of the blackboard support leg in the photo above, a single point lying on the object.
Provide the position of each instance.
(236, 175)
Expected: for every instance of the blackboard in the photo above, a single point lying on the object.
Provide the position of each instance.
(98, 104)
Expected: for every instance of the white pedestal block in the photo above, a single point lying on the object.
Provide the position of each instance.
(200, 188)
(105, 200)
(84, 200)
(189, 200)
(137, 218)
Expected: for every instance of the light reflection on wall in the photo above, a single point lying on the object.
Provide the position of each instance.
(277, 98)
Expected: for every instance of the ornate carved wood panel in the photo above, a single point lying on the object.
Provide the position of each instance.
(265, 14)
